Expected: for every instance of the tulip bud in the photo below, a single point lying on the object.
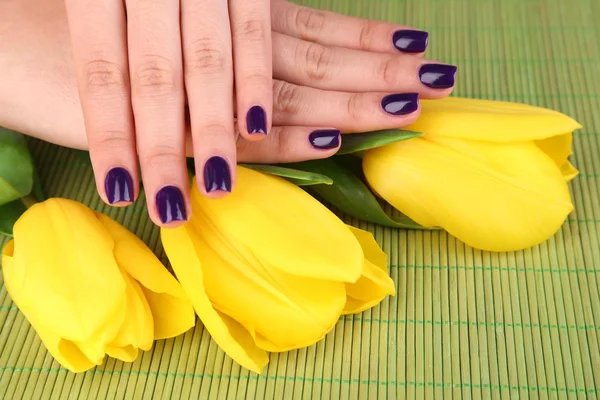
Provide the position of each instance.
(269, 268)
(89, 287)
(493, 174)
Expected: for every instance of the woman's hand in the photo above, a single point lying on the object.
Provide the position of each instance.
(136, 63)
(325, 81)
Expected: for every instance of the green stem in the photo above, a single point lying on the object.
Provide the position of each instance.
(29, 200)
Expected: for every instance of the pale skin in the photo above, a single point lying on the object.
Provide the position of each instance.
(310, 70)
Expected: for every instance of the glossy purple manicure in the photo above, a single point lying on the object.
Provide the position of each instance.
(325, 139)
(217, 175)
(437, 76)
(410, 41)
(256, 120)
(400, 103)
(170, 205)
(118, 186)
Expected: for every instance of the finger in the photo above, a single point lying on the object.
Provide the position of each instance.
(332, 29)
(351, 112)
(103, 81)
(335, 68)
(208, 74)
(285, 144)
(158, 104)
(290, 144)
(251, 34)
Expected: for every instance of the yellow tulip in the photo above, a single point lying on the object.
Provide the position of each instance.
(89, 287)
(493, 174)
(270, 269)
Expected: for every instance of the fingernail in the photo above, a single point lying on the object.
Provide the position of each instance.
(400, 103)
(170, 205)
(256, 120)
(437, 76)
(410, 41)
(217, 175)
(325, 139)
(118, 186)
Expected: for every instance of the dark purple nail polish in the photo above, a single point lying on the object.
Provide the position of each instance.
(437, 76)
(256, 120)
(400, 103)
(410, 41)
(325, 139)
(170, 205)
(217, 175)
(118, 186)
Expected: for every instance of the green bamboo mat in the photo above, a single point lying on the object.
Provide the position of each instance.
(465, 323)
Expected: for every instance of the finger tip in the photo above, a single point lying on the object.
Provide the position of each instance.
(170, 207)
(254, 137)
(437, 94)
(120, 204)
(217, 194)
(119, 187)
(170, 225)
(176, 222)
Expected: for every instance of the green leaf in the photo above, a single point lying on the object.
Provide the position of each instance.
(353, 143)
(191, 170)
(9, 214)
(83, 156)
(349, 193)
(37, 190)
(297, 177)
(16, 166)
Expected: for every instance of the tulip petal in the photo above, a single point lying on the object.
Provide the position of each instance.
(497, 197)
(288, 311)
(94, 347)
(172, 311)
(68, 278)
(375, 283)
(285, 227)
(568, 171)
(370, 289)
(370, 247)
(487, 120)
(559, 147)
(125, 354)
(171, 314)
(227, 333)
(66, 353)
(137, 329)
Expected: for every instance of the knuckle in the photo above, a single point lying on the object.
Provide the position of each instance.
(367, 32)
(258, 79)
(317, 60)
(103, 75)
(206, 56)
(353, 106)
(309, 23)
(155, 74)
(110, 141)
(162, 155)
(246, 148)
(390, 71)
(284, 146)
(252, 30)
(215, 131)
(286, 97)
